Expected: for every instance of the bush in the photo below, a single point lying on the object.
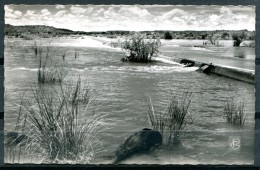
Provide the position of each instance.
(238, 37)
(58, 127)
(167, 36)
(140, 49)
(173, 121)
(234, 112)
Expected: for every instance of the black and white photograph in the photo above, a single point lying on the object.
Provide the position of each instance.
(129, 84)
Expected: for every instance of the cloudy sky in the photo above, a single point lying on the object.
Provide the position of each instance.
(133, 17)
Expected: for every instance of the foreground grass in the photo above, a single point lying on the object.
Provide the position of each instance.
(173, 120)
(234, 112)
(54, 129)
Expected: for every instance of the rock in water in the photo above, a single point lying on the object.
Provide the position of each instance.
(206, 68)
(139, 142)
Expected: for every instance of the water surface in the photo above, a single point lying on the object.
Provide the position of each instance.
(124, 88)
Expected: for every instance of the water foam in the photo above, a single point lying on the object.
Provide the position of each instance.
(164, 59)
(170, 67)
(144, 69)
(24, 68)
(201, 49)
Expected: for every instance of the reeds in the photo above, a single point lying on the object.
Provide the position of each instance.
(63, 54)
(48, 71)
(80, 93)
(36, 49)
(59, 127)
(76, 54)
(173, 120)
(234, 112)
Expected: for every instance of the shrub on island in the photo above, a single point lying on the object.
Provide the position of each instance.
(138, 48)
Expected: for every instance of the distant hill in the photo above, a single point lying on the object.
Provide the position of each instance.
(49, 31)
(35, 31)
(35, 28)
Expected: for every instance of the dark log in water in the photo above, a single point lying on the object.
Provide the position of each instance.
(140, 142)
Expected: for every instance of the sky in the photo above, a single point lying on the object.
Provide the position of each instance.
(133, 17)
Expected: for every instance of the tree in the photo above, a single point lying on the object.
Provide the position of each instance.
(167, 35)
(213, 38)
(225, 36)
(238, 38)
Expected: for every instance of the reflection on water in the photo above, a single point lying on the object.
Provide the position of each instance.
(123, 89)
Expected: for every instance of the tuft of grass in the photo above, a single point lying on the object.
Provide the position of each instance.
(49, 72)
(36, 49)
(80, 93)
(59, 127)
(76, 54)
(63, 54)
(234, 112)
(173, 120)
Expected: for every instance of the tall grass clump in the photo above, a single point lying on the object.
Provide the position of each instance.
(48, 71)
(172, 122)
(80, 93)
(138, 48)
(59, 127)
(234, 112)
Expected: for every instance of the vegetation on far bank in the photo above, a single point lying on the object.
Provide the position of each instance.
(35, 31)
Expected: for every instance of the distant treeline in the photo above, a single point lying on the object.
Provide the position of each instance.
(220, 34)
(33, 31)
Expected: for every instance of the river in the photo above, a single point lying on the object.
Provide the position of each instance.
(123, 89)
